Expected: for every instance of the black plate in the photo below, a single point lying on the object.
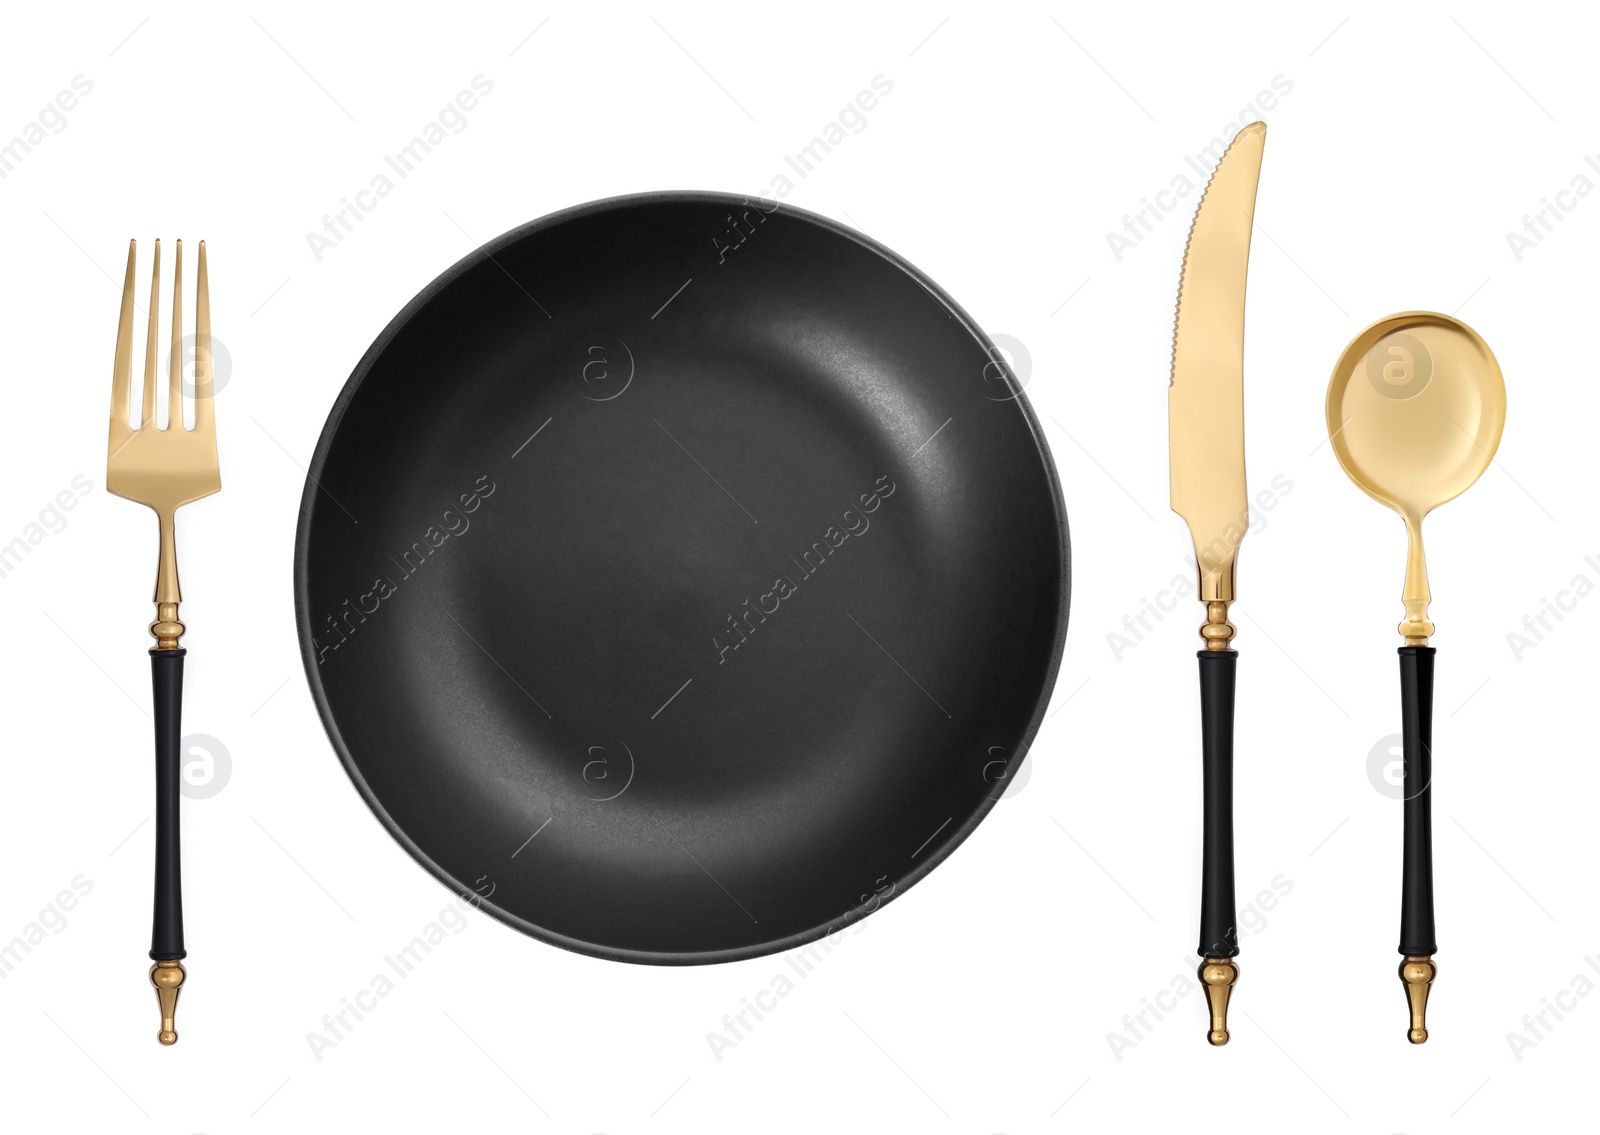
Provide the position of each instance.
(681, 577)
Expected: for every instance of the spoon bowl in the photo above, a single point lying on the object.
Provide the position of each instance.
(1415, 411)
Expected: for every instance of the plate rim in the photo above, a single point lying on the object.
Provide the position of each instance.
(937, 852)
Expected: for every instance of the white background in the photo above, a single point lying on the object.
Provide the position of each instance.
(1015, 139)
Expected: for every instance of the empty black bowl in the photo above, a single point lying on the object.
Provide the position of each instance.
(681, 577)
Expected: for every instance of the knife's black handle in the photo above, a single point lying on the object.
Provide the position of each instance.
(1416, 711)
(166, 675)
(1219, 936)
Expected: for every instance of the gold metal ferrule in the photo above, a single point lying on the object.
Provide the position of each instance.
(1216, 630)
(166, 628)
(1418, 972)
(1218, 975)
(167, 977)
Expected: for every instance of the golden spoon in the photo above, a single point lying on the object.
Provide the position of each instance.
(1415, 411)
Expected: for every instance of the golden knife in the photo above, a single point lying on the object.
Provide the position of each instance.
(1205, 426)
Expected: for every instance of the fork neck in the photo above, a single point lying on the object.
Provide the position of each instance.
(167, 629)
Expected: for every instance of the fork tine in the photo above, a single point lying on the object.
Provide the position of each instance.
(204, 422)
(122, 368)
(175, 354)
(147, 405)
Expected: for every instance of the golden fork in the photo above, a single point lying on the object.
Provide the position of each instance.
(165, 468)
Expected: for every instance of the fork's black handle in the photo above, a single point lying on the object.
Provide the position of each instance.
(1416, 711)
(1219, 936)
(166, 674)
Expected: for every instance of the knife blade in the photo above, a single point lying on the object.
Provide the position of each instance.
(1205, 403)
(1205, 428)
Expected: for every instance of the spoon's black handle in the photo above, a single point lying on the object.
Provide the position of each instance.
(1219, 937)
(166, 674)
(1416, 711)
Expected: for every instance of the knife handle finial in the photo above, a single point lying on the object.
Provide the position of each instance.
(1218, 976)
(1418, 973)
(167, 977)
(1217, 631)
